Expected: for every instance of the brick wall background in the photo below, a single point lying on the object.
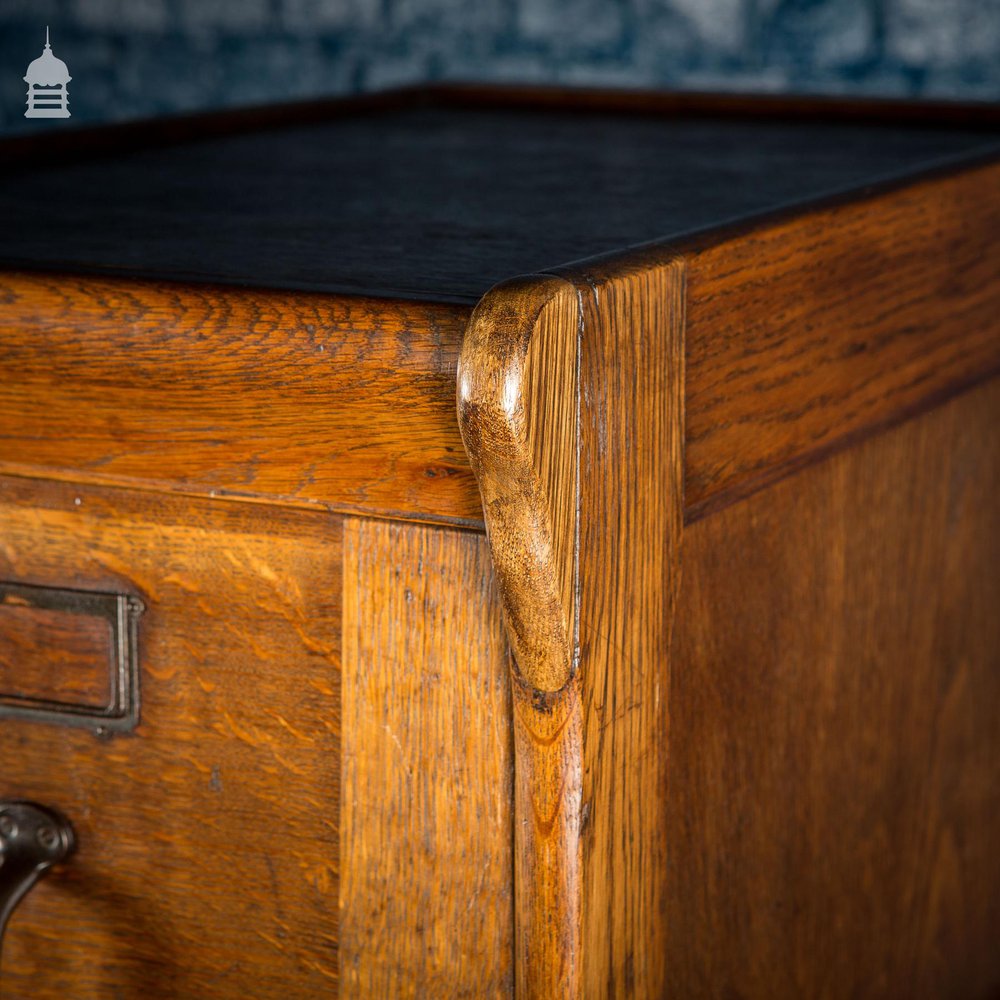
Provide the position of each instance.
(139, 57)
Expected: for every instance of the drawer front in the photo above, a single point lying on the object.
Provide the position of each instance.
(316, 800)
(208, 841)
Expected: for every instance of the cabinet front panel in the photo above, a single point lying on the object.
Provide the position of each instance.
(279, 397)
(208, 837)
(427, 903)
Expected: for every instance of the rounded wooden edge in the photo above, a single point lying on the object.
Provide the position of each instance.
(513, 375)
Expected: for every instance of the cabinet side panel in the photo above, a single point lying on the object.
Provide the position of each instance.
(816, 331)
(426, 896)
(834, 812)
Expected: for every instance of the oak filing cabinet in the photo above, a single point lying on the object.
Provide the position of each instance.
(474, 543)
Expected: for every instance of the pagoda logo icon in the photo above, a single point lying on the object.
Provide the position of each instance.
(47, 79)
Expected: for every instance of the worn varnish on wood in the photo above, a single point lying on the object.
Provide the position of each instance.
(224, 392)
(579, 464)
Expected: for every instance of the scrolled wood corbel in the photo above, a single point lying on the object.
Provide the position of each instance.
(518, 405)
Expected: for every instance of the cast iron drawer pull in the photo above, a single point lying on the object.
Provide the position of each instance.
(32, 839)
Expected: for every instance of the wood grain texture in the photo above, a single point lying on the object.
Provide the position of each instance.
(426, 895)
(797, 798)
(518, 409)
(804, 334)
(548, 849)
(590, 778)
(834, 809)
(208, 838)
(305, 400)
(631, 511)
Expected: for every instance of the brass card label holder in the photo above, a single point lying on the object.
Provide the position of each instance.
(69, 656)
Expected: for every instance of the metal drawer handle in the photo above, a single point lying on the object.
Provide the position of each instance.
(32, 839)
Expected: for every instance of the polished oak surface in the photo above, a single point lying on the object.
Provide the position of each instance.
(834, 809)
(426, 888)
(573, 427)
(291, 398)
(207, 861)
(811, 333)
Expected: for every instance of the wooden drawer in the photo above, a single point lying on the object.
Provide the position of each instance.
(211, 837)
(627, 628)
(225, 799)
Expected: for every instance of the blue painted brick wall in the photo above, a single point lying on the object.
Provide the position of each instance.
(133, 58)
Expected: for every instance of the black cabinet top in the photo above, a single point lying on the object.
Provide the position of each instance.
(439, 198)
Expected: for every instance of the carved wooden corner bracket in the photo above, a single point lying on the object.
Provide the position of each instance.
(519, 412)
(570, 403)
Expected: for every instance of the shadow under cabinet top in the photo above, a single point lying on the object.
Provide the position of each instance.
(433, 198)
